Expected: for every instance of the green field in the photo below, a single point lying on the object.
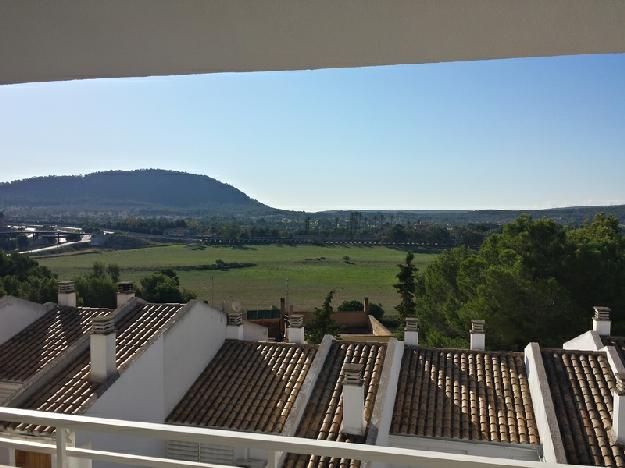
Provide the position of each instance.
(311, 271)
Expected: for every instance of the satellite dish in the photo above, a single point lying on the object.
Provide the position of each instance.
(236, 306)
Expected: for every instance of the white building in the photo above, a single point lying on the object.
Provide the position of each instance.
(134, 362)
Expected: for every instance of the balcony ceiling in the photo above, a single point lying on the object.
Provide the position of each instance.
(42, 40)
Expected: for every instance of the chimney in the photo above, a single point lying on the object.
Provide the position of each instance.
(478, 335)
(295, 332)
(102, 348)
(353, 399)
(601, 322)
(125, 292)
(367, 305)
(66, 294)
(411, 334)
(618, 410)
(234, 327)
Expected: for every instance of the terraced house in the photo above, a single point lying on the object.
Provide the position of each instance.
(190, 366)
(132, 362)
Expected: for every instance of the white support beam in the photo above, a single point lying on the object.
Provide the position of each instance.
(61, 448)
(73, 39)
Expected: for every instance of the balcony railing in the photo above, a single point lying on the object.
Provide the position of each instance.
(275, 445)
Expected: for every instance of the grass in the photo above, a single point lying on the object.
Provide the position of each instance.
(311, 271)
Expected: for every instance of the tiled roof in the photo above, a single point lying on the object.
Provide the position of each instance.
(581, 385)
(247, 386)
(72, 392)
(42, 341)
(463, 394)
(324, 413)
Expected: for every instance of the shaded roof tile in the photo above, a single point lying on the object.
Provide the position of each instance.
(581, 384)
(248, 386)
(37, 345)
(464, 394)
(323, 415)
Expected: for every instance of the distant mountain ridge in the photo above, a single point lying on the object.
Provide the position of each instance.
(141, 192)
(158, 192)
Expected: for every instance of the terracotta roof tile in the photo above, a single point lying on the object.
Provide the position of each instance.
(581, 385)
(463, 394)
(44, 340)
(71, 390)
(247, 386)
(324, 413)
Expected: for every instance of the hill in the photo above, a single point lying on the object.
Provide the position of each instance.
(145, 192)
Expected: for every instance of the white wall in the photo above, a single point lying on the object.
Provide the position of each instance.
(254, 332)
(189, 346)
(385, 401)
(137, 395)
(156, 380)
(614, 360)
(301, 401)
(16, 314)
(542, 403)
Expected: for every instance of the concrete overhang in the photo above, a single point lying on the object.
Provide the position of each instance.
(42, 40)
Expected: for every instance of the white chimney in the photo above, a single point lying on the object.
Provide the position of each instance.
(353, 399)
(125, 292)
(295, 332)
(66, 294)
(618, 410)
(411, 334)
(234, 327)
(601, 322)
(478, 335)
(102, 348)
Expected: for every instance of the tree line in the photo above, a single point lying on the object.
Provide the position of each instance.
(535, 281)
(23, 277)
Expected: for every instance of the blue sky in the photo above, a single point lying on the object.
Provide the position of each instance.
(523, 133)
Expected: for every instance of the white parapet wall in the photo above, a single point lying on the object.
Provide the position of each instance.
(544, 412)
(254, 332)
(614, 360)
(385, 400)
(297, 411)
(190, 345)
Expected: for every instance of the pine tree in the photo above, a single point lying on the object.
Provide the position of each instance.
(322, 323)
(406, 287)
